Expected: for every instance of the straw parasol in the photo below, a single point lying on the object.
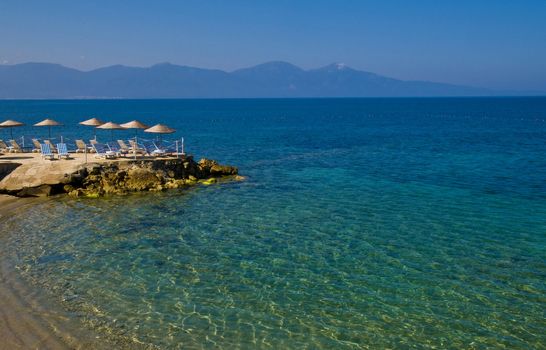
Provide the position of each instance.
(134, 124)
(160, 129)
(92, 122)
(11, 124)
(112, 126)
(49, 123)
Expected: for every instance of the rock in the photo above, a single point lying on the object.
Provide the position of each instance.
(95, 170)
(76, 193)
(239, 178)
(92, 194)
(206, 163)
(174, 183)
(141, 180)
(208, 167)
(40, 191)
(208, 182)
(158, 188)
(223, 170)
(98, 180)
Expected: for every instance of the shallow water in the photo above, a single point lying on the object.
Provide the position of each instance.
(364, 223)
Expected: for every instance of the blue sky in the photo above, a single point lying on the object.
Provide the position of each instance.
(496, 44)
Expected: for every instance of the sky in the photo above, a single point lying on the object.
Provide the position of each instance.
(499, 44)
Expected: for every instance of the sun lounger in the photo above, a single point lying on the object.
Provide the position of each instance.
(135, 146)
(15, 146)
(114, 147)
(152, 149)
(45, 149)
(82, 147)
(168, 148)
(51, 146)
(92, 142)
(62, 151)
(123, 146)
(103, 151)
(37, 148)
(4, 147)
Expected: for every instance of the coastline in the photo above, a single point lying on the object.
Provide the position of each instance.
(28, 318)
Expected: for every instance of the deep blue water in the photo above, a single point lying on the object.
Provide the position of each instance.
(381, 223)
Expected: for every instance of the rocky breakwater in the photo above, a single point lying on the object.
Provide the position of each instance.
(125, 176)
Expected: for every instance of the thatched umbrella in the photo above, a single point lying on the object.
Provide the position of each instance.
(49, 123)
(160, 129)
(11, 124)
(112, 126)
(135, 124)
(92, 122)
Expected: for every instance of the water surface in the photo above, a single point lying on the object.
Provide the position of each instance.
(363, 223)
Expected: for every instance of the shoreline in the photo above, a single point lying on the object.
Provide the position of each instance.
(28, 319)
(21, 326)
(31, 320)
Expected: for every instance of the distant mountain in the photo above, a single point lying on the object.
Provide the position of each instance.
(165, 80)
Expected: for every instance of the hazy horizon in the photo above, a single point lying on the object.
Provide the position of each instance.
(494, 45)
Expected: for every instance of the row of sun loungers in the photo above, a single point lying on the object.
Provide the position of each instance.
(12, 148)
(110, 150)
(106, 150)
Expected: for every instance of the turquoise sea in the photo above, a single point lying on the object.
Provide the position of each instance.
(364, 223)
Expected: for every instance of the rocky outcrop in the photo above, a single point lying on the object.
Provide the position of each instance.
(99, 179)
(7, 168)
(211, 168)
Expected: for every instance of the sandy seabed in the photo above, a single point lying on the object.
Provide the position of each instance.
(27, 321)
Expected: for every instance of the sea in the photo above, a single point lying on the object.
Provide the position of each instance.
(377, 223)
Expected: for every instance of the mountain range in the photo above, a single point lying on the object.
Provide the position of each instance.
(165, 80)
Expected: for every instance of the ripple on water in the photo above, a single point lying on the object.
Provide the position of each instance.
(231, 266)
(364, 223)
